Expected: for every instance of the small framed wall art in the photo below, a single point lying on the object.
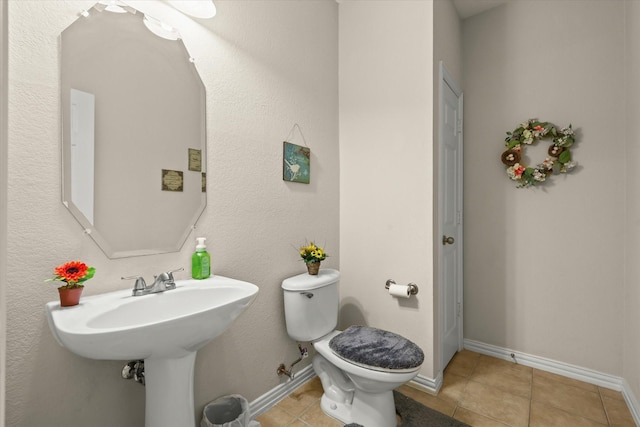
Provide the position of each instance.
(296, 164)
(172, 180)
(195, 160)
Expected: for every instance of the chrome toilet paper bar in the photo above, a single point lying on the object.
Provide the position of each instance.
(412, 287)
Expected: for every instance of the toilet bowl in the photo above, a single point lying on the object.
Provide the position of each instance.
(360, 367)
(367, 399)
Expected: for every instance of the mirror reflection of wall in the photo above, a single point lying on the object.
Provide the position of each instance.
(149, 112)
(82, 134)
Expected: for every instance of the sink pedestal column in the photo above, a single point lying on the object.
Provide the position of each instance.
(169, 391)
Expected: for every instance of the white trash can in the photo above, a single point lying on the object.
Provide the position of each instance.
(228, 411)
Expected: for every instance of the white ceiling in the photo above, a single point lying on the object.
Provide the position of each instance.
(467, 8)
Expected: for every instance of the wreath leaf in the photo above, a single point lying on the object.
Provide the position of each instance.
(512, 144)
(565, 157)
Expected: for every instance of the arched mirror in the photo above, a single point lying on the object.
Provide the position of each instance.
(134, 137)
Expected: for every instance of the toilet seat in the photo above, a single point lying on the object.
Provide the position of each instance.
(375, 368)
(373, 373)
(377, 349)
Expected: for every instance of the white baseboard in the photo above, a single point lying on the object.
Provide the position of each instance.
(565, 369)
(272, 397)
(429, 385)
(631, 400)
(544, 364)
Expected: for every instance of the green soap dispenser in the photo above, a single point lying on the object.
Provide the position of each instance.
(201, 261)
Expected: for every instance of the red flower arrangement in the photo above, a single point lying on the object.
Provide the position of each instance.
(73, 273)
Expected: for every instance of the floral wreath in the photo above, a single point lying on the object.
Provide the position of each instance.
(559, 160)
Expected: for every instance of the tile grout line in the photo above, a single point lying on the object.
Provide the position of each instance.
(604, 407)
(530, 397)
(455, 409)
(466, 384)
(464, 390)
(306, 410)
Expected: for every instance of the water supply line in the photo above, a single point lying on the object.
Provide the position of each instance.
(134, 370)
(282, 369)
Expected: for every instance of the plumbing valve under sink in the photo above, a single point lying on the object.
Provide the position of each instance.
(134, 370)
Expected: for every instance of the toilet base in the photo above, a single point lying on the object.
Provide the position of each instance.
(346, 403)
(370, 410)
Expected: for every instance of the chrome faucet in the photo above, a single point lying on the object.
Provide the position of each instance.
(162, 282)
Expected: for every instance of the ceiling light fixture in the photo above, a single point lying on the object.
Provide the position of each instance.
(161, 29)
(113, 6)
(195, 8)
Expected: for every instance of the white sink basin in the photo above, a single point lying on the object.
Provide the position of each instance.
(166, 329)
(173, 323)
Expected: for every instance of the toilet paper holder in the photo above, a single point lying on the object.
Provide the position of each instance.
(413, 288)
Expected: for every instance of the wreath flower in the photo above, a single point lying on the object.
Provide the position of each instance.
(559, 160)
(73, 273)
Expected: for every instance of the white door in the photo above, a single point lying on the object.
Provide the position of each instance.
(450, 216)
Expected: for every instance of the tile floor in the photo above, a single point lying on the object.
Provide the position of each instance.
(483, 391)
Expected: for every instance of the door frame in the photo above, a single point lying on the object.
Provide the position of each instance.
(445, 78)
(4, 165)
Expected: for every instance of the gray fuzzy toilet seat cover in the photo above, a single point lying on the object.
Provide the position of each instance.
(376, 348)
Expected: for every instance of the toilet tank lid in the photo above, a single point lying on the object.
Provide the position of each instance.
(306, 281)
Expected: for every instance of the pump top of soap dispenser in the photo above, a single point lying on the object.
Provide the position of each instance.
(201, 246)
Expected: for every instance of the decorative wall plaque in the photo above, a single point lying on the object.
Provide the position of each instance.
(195, 160)
(296, 164)
(172, 180)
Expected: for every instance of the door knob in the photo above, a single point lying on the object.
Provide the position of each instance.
(447, 240)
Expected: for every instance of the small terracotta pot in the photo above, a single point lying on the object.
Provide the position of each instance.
(313, 268)
(70, 297)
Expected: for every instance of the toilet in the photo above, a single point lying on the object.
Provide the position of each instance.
(358, 367)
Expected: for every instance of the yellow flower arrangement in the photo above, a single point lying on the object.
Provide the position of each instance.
(312, 253)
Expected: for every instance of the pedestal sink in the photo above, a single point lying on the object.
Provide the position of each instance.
(165, 329)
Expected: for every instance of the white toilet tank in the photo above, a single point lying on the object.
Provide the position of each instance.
(311, 304)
